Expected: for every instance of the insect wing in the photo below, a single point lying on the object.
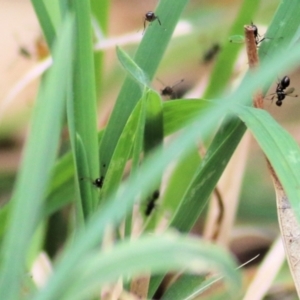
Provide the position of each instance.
(289, 91)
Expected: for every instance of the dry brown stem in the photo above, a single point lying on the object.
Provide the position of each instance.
(251, 47)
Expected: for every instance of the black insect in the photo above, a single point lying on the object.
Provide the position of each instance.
(211, 53)
(282, 91)
(150, 17)
(169, 90)
(258, 37)
(25, 52)
(151, 203)
(98, 182)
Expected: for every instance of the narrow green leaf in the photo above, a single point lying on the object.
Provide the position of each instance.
(139, 140)
(154, 122)
(122, 152)
(45, 21)
(207, 176)
(101, 17)
(85, 117)
(153, 140)
(177, 113)
(132, 68)
(204, 181)
(181, 177)
(282, 29)
(183, 287)
(61, 190)
(35, 172)
(158, 254)
(280, 148)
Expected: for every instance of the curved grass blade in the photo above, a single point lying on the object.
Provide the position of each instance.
(38, 160)
(284, 155)
(132, 68)
(157, 254)
(279, 147)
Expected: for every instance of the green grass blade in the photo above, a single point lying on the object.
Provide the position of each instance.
(158, 254)
(280, 148)
(61, 190)
(153, 140)
(204, 182)
(122, 152)
(132, 68)
(85, 118)
(177, 113)
(101, 15)
(207, 176)
(181, 177)
(35, 172)
(183, 287)
(154, 122)
(139, 140)
(45, 21)
(148, 60)
(282, 29)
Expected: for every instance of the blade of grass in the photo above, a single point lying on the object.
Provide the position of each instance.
(85, 119)
(157, 254)
(280, 148)
(184, 286)
(282, 29)
(132, 68)
(154, 122)
(121, 154)
(39, 156)
(181, 177)
(177, 113)
(153, 140)
(136, 154)
(45, 21)
(207, 176)
(100, 14)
